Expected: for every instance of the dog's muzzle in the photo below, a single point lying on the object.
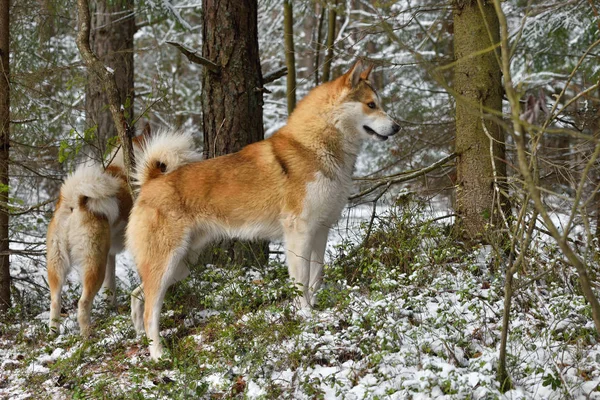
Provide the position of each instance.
(383, 138)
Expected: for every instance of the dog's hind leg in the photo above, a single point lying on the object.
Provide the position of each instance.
(90, 246)
(109, 286)
(58, 268)
(154, 293)
(137, 309)
(298, 248)
(94, 267)
(317, 257)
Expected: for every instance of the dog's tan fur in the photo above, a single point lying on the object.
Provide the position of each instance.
(87, 229)
(293, 184)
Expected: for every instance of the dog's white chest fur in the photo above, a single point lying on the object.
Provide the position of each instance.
(326, 197)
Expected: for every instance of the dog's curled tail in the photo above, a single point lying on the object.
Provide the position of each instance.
(164, 152)
(90, 188)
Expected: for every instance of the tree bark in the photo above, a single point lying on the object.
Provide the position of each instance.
(4, 146)
(477, 81)
(290, 57)
(319, 45)
(232, 96)
(107, 82)
(111, 39)
(331, 21)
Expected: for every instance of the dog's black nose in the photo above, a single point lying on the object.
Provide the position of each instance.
(396, 128)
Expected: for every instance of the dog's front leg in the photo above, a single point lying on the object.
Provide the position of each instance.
(298, 249)
(137, 309)
(317, 258)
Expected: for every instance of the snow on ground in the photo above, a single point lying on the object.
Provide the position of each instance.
(430, 334)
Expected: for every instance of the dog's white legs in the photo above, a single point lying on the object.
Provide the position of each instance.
(317, 257)
(137, 309)
(109, 287)
(176, 271)
(152, 307)
(298, 249)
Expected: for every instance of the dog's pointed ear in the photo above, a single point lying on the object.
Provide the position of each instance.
(352, 77)
(365, 74)
(357, 73)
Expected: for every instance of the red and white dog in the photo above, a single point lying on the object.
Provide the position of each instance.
(88, 229)
(292, 185)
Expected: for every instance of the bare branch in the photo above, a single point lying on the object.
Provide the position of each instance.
(404, 178)
(274, 75)
(195, 58)
(33, 207)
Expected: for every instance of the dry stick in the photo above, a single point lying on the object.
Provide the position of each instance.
(274, 75)
(503, 377)
(95, 66)
(497, 191)
(374, 214)
(532, 188)
(405, 178)
(195, 58)
(192, 56)
(31, 208)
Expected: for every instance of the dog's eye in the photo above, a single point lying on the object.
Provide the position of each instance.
(371, 105)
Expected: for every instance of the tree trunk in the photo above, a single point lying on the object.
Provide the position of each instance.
(331, 21)
(232, 96)
(290, 58)
(477, 82)
(111, 39)
(319, 45)
(107, 81)
(4, 145)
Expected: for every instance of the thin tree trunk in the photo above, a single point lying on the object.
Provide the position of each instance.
(331, 21)
(290, 57)
(477, 79)
(107, 79)
(596, 132)
(319, 45)
(232, 96)
(111, 39)
(4, 146)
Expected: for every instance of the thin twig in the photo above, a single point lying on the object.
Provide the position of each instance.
(405, 178)
(33, 207)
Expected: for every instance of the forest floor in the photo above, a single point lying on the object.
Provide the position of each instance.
(408, 314)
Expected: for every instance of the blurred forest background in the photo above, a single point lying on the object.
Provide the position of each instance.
(507, 161)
